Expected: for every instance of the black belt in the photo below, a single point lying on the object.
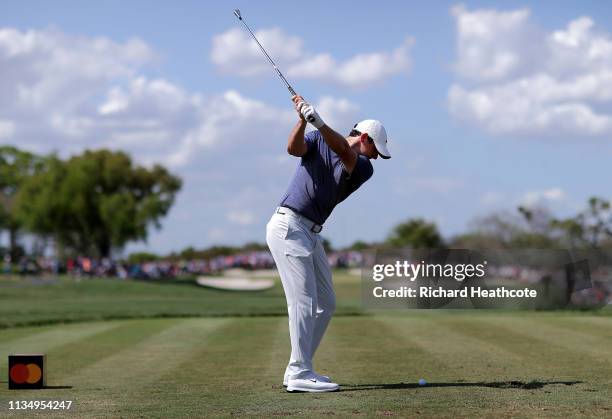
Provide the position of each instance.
(314, 227)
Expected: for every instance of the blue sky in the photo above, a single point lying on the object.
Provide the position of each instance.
(488, 105)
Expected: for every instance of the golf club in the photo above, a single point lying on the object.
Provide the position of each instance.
(239, 16)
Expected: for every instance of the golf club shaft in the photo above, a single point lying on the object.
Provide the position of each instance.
(239, 16)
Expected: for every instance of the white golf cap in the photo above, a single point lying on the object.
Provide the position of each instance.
(377, 132)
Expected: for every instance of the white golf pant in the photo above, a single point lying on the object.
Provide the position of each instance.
(307, 281)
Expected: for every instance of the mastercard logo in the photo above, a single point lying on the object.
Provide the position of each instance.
(22, 373)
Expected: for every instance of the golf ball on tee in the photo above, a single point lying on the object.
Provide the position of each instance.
(422, 382)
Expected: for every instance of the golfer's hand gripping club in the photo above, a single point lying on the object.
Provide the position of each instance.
(311, 116)
(308, 112)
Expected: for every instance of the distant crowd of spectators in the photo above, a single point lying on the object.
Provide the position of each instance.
(85, 266)
(250, 260)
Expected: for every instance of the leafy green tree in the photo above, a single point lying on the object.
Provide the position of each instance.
(15, 167)
(506, 230)
(140, 257)
(477, 240)
(254, 247)
(96, 201)
(597, 221)
(589, 228)
(570, 231)
(502, 226)
(416, 233)
(359, 245)
(537, 220)
(207, 253)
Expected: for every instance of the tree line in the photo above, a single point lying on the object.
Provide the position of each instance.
(526, 228)
(535, 228)
(95, 202)
(88, 204)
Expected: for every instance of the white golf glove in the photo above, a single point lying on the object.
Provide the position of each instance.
(310, 114)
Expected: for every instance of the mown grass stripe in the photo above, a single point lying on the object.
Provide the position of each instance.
(548, 343)
(136, 371)
(232, 370)
(42, 339)
(457, 366)
(71, 357)
(280, 352)
(144, 359)
(343, 348)
(545, 361)
(45, 340)
(65, 361)
(221, 376)
(490, 359)
(104, 372)
(395, 351)
(455, 348)
(600, 327)
(559, 331)
(370, 359)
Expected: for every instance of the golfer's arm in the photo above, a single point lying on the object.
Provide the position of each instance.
(296, 146)
(340, 146)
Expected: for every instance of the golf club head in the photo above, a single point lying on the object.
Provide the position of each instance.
(237, 13)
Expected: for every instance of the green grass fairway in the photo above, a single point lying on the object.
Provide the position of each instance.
(477, 363)
(36, 302)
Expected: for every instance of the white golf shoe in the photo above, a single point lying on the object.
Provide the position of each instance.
(310, 384)
(322, 378)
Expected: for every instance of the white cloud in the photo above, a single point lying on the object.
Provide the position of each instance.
(224, 145)
(38, 66)
(542, 197)
(554, 196)
(358, 71)
(67, 92)
(7, 129)
(488, 42)
(515, 78)
(340, 114)
(234, 52)
(51, 82)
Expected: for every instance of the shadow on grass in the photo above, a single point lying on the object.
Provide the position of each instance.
(531, 385)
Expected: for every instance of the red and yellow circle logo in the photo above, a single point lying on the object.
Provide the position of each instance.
(21, 373)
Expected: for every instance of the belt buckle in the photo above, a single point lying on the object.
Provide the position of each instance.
(316, 228)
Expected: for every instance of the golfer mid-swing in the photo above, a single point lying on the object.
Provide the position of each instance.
(331, 168)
